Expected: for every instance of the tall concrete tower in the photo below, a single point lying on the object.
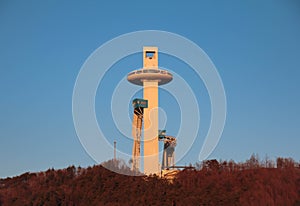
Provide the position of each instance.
(150, 77)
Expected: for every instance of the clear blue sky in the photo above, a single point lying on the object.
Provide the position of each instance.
(255, 46)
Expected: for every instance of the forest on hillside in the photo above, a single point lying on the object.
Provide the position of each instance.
(212, 182)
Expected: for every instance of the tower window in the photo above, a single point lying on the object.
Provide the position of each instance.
(150, 54)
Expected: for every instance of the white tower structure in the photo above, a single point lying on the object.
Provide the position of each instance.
(150, 77)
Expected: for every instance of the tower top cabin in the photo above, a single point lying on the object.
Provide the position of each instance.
(150, 57)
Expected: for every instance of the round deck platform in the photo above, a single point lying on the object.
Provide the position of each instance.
(138, 76)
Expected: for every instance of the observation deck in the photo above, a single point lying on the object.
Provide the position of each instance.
(148, 74)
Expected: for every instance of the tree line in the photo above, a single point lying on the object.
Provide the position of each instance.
(212, 182)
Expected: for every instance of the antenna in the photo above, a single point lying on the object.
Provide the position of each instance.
(115, 147)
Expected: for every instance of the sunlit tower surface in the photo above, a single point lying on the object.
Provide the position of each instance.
(150, 77)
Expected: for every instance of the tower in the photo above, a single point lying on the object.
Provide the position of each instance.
(150, 77)
(139, 105)
(168, 159)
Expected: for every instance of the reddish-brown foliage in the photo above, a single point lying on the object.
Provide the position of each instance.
(213, 183)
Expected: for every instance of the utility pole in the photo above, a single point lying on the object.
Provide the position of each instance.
(115, 153)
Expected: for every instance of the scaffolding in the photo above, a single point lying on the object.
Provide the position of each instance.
(137, 122)
(168, 159)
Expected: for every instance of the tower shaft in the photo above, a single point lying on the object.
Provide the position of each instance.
(151, 159)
